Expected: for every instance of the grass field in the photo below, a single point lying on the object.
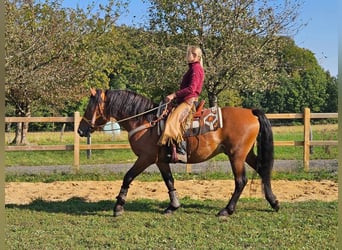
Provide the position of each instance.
(22, 158)
(76, 224)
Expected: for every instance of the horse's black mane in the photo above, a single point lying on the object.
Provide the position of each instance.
(125, 103)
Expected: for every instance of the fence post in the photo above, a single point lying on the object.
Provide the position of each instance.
(76, 142)
(188, 168)
(306, 146)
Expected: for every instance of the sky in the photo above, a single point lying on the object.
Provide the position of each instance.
(320, 35)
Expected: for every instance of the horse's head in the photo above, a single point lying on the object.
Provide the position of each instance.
(94, 117)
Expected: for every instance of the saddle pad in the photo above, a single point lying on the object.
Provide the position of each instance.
(209, 120)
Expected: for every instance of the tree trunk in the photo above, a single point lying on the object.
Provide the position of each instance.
(212, 93)
(22, 128)
(24, 132)
(212, 99)
(16, 139)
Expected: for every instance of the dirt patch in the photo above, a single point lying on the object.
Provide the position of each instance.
(93, 191)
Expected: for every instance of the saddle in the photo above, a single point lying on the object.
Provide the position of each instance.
(203, 120)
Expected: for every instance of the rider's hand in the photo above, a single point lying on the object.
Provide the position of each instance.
(170, 97)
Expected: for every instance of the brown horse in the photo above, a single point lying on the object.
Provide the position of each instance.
(137, 114)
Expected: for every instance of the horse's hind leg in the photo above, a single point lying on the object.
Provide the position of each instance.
(169, 182)
(265, 174)
(240, 182)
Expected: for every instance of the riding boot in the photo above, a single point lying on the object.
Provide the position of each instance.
(181, 152)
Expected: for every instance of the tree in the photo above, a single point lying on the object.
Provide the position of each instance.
(130, 49)
(51, 53)
(239, 40)
(332, 94)
(301, 82)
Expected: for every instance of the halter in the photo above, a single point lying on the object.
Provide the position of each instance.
(95, 115)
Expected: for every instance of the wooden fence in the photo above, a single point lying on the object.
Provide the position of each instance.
(77, 146)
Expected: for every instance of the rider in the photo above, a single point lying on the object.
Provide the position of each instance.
(190, 89)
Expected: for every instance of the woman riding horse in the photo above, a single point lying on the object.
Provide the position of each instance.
(236, 138)
(190, 89)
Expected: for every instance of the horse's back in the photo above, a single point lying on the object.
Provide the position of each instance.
(238, 116)
(240, 126)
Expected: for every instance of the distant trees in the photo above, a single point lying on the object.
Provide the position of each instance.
(331, 102)
(301, 82)
(130, 70)
(53, 55)
(240, 40)
(40, 49)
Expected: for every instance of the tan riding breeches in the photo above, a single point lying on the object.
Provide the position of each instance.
(174, 127)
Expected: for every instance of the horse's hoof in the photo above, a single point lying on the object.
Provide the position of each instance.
(170, 209)
(117, 214)
(118, 211)
(276, 206)
(224, 213)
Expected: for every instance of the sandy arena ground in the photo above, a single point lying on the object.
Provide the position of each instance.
(93, 191)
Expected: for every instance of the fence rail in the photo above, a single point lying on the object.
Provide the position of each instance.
(76, 147)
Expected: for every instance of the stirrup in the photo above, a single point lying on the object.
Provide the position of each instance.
(177, 157)
(181, 152)
(181, 158)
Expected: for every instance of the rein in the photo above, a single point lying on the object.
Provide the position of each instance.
(143, 113)
(135, 130)
(150, 124)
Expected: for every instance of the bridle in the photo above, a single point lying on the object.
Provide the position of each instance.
(98, 113)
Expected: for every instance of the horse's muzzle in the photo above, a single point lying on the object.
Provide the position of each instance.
(83, 133)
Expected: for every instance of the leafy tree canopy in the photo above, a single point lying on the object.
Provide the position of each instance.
(53, 53)
(240, 39)
(301, 82)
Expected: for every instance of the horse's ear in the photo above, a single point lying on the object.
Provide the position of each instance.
(93, 91)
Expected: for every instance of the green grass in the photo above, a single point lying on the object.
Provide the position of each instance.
(76, 224)
(46, 158)
(295, 133)
(49, 158)
(41, 158)
(298, 174)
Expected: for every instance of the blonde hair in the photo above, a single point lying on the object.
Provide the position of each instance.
(197, 51)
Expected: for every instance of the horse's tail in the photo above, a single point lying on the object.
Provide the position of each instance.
(265, 145)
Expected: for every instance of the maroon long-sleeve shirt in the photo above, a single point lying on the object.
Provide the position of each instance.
(192, 83)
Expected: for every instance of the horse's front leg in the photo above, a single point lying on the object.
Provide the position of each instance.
(139, 166)
(169, 181)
